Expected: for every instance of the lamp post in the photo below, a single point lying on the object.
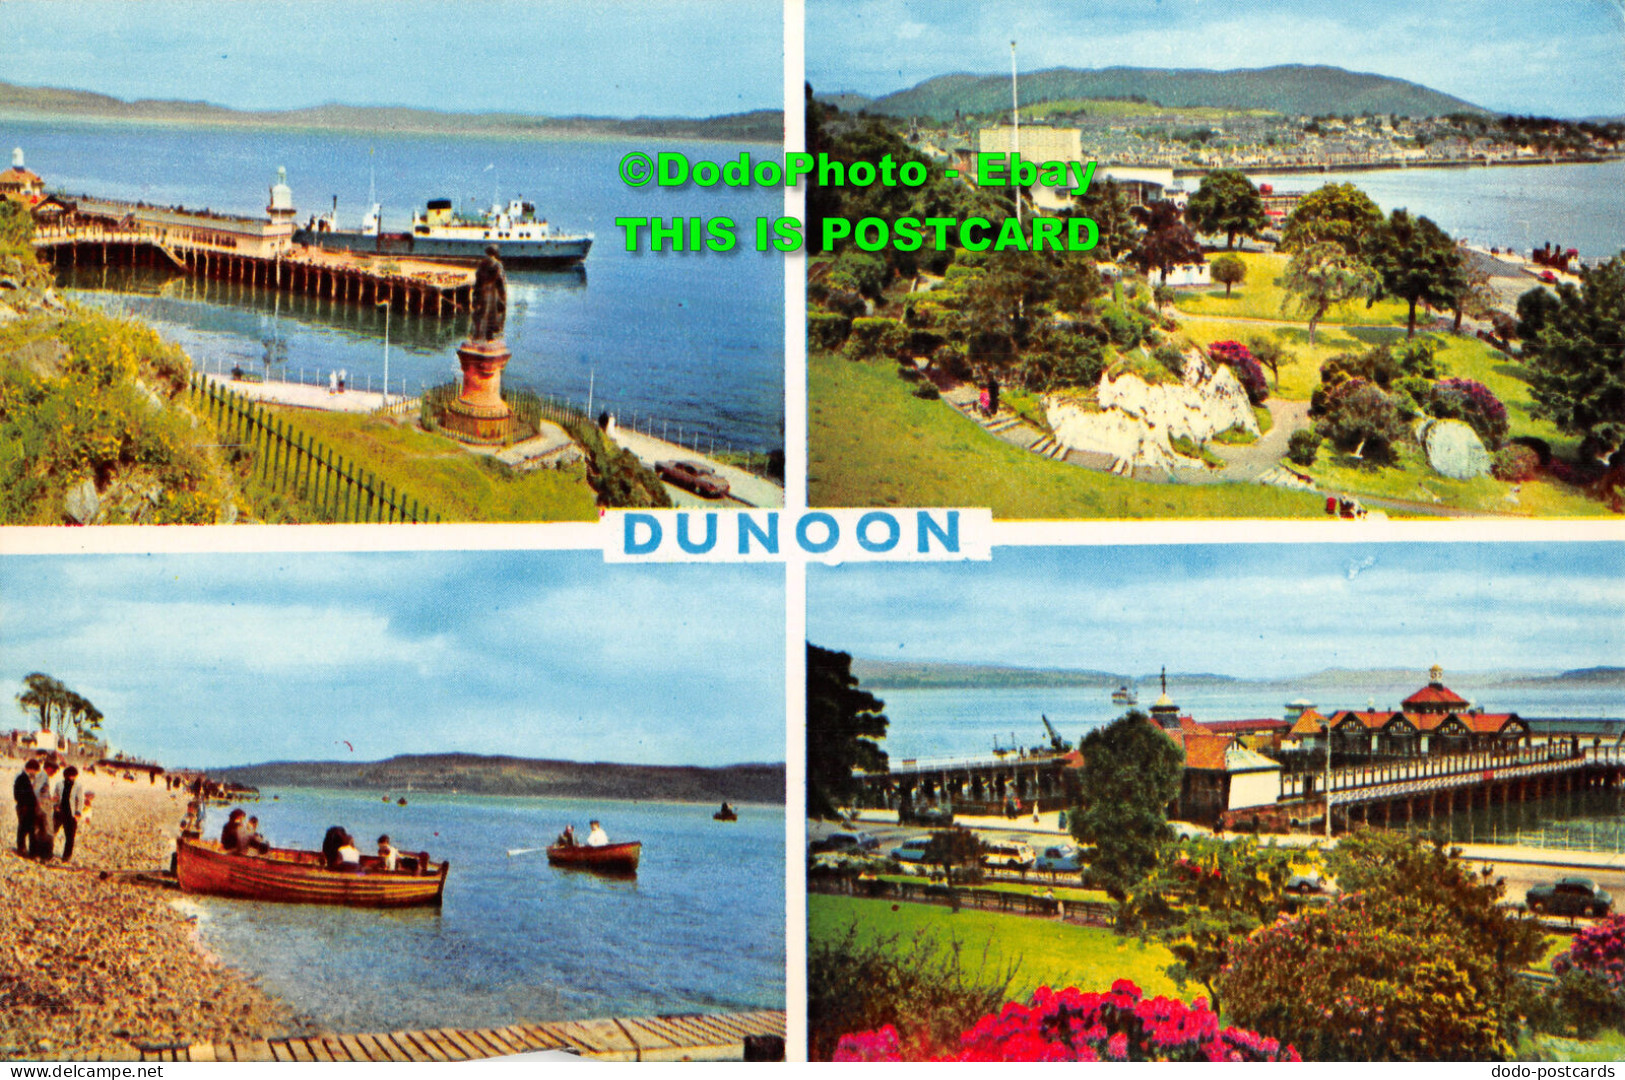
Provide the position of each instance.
(385, 305)
(1015, 124)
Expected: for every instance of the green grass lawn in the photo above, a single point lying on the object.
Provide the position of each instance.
(433, 469)
(1050, 953)
(871, 442)
(1606, 1047)
(1260, 297)
(1301, 374)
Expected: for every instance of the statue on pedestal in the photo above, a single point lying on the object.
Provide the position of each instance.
(490, 299)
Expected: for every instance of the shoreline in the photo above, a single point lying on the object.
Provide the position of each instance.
(100, 964)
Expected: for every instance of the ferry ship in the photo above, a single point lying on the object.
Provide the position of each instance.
(439, 234)
(1123, 695)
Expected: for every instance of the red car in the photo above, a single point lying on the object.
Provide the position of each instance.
(1548, 277)
(692, 476)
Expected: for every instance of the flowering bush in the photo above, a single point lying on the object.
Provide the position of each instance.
(1473, 402)
(1599, 949)
(1240, 359)
(1070, 1025)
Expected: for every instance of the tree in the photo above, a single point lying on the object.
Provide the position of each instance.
(1417, 962)
(1131, 772)
(1321, 276)
(952, 849)
(1534, 307)
(1270, 353)
(1226, 202)
(1106, 205)
(1208, 894)
(1166, 242)
(1418, 263)
(1576, 360)
(843, 724)
(1340, 214)
(1229, 270)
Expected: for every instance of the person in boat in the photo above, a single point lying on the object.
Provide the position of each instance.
(348, 856)
(234, 837)
(727, 811)
(387, 853)
(567, 838)
(596, 836)
(332, 840)
(254, 842)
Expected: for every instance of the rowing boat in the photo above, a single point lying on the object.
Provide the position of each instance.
(288, 876)
(607, 858)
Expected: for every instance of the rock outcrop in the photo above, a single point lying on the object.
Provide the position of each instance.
(1453, 448)
(1135, 421)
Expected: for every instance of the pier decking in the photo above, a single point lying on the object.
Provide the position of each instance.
(689, 1037)
(411, 286)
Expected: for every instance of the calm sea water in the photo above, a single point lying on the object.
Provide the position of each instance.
(955, 722)
(701, 929)
(1522, 207)
(696, 340)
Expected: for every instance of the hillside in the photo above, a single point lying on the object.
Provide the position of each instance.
(474, 774)
(881, 675)
(1293, 89)
(29, 102)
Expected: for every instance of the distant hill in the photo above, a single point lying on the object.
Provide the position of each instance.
(1595, 676)
(30, 102)
(845, 100)
(881, 675)
(1293, 89)
(901, 675)
(474, 774)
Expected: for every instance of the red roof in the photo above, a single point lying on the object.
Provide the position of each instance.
(1203, 751)
(1436, 694)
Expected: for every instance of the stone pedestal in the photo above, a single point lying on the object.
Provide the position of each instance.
(479, 415)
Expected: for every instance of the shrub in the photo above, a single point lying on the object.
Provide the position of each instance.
(927, 391)
(1237, 357)
(1070, 1025)
(1474, 403)
(1359, 418)
(1126, 328)
(1514, 464)
(1169, 356)
(874, 337)
(857, 272)
(826, 330)
(952, 359)
(921, 985)
(1302, 446)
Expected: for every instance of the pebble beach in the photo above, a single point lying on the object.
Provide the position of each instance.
(96, 963)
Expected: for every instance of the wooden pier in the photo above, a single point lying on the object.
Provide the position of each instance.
(689, 1037)
(414, 287)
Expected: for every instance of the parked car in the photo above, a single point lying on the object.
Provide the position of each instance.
(692, 476)
(854, 842)
(1569, 896)
(1060, 859)
(1548, 277)
(911, 850)
(935, 816)
(1008, 855)
(1305, 884)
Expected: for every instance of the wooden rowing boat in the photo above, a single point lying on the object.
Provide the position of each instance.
(607, 859)
(301, 877)
(729, 815)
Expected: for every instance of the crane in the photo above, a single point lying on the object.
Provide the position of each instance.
(1058, 744)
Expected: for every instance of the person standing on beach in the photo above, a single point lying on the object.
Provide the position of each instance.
(22, 792)
(43, 845)
(70, 805)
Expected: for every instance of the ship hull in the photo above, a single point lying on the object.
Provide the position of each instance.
(299, 877)
(514, 253)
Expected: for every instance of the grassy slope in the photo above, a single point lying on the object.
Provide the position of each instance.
(458, 485)
(1260, 297)
(872, 443)
(1050, 953)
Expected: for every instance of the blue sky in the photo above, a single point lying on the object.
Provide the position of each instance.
(545, 57)
(232, 659)
(1564, 58)
(1265, 610)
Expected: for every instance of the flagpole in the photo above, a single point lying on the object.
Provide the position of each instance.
(1015, 123)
